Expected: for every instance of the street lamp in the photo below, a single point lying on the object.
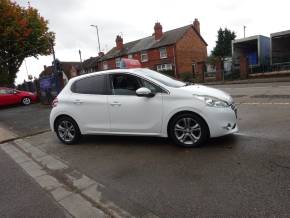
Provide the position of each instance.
(97, 35)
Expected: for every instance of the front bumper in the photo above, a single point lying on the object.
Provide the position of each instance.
(222, 121)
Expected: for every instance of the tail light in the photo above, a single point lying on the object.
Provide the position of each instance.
(54, 102)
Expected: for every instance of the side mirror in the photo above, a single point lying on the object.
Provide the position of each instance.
(144, 92)
(15, 92)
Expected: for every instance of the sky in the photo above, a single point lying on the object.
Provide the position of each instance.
(71, 20)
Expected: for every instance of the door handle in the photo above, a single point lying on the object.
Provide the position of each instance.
(78, 101)
(115, 103)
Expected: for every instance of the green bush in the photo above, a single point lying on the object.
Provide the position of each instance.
(186, 76)
(168, 73)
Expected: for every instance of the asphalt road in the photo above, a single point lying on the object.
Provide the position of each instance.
(25, 120)
(20, 196)
(246, 174)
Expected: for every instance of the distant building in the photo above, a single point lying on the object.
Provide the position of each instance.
(280, 48)
(177, 50)
(70, 69)
(255, 48)
(92, 64)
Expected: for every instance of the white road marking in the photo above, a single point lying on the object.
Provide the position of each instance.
(255, 87)
(264, 103)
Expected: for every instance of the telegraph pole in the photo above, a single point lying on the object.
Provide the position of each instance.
(245, 31)
(80, 53)
(53, 56)
(98, 36)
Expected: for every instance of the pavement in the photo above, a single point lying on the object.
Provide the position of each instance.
(21, 196)
(241, 175)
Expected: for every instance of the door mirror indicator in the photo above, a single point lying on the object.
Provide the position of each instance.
(144, 92)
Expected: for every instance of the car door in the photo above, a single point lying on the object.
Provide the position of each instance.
(89, 101)
(8, 97)
(3, 97)
(130, 114)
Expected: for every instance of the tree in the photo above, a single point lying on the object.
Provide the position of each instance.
(223, 46)
(23, 33)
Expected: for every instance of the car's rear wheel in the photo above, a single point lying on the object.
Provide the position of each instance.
(188, 130)
(26, 101)
(67, 130)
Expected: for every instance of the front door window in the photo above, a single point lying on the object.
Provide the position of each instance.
(124, 84)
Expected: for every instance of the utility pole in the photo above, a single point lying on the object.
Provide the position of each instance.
(245, 31)
(98, 36)
(80, 53)
(26, 69)
(53, 56)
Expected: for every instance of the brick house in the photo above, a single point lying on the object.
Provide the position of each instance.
(177, 50)
(92, 64)
(70, 69)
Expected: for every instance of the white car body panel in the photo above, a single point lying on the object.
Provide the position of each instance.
(133, 115)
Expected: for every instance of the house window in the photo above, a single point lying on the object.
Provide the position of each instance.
(164, 67)
(105, 65)
(118, 61)
(144, 56)
(163, 53)
(130, 56)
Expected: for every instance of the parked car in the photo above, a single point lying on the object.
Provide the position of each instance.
(10, 96)
(141, 102)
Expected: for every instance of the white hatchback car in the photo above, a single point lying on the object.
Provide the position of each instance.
(141, 102)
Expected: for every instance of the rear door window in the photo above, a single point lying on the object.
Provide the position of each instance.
(3, 92)
(95, 85)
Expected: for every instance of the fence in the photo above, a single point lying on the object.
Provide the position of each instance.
(231, 70)
(225, 71)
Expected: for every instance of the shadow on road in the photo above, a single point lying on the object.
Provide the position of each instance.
(227, 142)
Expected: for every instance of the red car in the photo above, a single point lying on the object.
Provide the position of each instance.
(12, 96)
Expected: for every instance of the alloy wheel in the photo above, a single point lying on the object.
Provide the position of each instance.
(66, 131)
(187, 131)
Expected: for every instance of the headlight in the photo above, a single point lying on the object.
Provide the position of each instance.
(212, 101)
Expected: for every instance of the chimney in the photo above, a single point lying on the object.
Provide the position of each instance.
(158, 31)
(101, 54)
(119, 42)
(196, 25)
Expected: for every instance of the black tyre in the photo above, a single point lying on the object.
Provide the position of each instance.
(188, 130)
(26, 101)
(67, 130)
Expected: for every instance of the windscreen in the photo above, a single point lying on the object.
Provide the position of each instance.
(166, 80)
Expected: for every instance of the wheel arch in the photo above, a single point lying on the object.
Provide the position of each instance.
(61, 116)
(185, 112)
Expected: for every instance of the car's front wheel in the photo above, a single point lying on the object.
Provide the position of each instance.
(26, 101)
(67, 130)
(188, 130)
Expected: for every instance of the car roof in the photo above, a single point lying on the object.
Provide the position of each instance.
(132, 70)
